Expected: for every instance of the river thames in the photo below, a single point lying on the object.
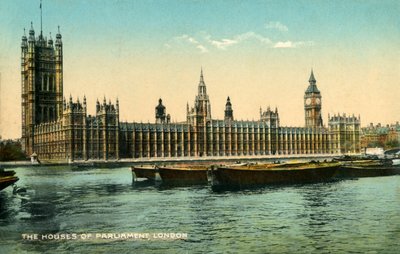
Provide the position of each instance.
(92, 210)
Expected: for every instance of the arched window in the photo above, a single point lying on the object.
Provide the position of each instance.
(45, 114)
(45, 83)
(54, 83)
(51, 114)
(48, 83)
(51, 83)
(42, 82)
(40, 115)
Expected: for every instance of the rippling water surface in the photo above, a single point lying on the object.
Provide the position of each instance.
(351, 216)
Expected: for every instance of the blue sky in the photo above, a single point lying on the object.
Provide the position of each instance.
(326, 22)
(149, 49)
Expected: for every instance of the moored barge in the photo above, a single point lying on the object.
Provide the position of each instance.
(183, 175)
(146, 172)
(368, 168)
(4, 173)
(265, 174)
(7, 181)
(7, 178)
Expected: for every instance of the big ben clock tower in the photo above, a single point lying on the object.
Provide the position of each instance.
(312, 104)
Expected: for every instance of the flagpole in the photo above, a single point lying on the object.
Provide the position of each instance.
(41, 28)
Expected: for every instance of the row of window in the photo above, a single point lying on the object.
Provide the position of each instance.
(47, 82)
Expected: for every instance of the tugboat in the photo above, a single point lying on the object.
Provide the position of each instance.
(7, 178)
(256, 175)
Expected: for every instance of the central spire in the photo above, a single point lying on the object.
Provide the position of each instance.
(201, 75)
(202, 85)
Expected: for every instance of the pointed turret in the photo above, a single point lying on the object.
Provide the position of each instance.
(64, 103)
(201, 111)
(160, 112)
(58, 38)
(70, 102)
(201, 75)
(97, 105)
(117, 105)
(50, 42)
(228, 110)
(31, 33)
(312, 79)
(312, 88)
(202, 85)
(24, 40)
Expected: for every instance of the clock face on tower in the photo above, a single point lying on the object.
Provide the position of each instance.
(308, 101)
(318, 101)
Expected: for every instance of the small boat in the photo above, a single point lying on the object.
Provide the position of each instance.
(368, 168)
(6, 181)
(7, 178)
(6, 173)
(146, 172)
(264, 174)
(183, 175)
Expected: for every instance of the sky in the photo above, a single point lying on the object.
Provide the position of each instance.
(260, 53)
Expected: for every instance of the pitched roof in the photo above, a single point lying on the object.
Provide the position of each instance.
(312, 88)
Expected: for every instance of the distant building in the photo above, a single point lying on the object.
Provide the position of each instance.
(387, 136)
(57, 129)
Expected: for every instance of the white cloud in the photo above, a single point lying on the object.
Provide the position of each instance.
(188, 39)
(203, 41)
(290, 44)
(286, 44)
(202, 48)
(222, 44)
(253, 35)
(276, 25)
(225, 43)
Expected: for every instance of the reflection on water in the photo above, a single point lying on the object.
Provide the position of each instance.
(345, 216)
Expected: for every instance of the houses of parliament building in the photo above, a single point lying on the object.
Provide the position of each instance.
(60, 129)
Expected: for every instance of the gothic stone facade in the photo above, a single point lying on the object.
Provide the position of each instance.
(56, 129)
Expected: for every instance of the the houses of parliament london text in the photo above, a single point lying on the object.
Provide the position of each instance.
(56, 128)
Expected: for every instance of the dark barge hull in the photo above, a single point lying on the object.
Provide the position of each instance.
(4, 173)
(7, 181)
(144, 172)
(183, 176)
(243, 178)
(366, 171)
